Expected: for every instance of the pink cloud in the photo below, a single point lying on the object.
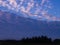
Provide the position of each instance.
(39, 13)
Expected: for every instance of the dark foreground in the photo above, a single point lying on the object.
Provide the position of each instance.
(43, 40)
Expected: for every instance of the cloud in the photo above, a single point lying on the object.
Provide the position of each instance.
(13, 2)
(42, 2)
(39, 13)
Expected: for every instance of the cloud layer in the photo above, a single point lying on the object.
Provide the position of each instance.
(40, 11)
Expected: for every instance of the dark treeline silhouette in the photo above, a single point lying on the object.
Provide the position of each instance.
(43, 40)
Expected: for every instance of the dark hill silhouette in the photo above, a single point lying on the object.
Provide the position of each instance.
(13, 26)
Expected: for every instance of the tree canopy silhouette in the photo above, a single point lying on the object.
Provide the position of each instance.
(43, 40)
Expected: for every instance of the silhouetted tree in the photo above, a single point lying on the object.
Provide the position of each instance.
(35, 40)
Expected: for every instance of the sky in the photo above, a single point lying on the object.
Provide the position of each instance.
(56, 7)
(35, 9)
(48, 10)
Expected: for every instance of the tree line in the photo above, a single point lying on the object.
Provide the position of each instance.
(43, 40)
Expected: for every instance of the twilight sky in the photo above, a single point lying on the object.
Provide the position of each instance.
(16, 27)
(56, 7)
(37, 9)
